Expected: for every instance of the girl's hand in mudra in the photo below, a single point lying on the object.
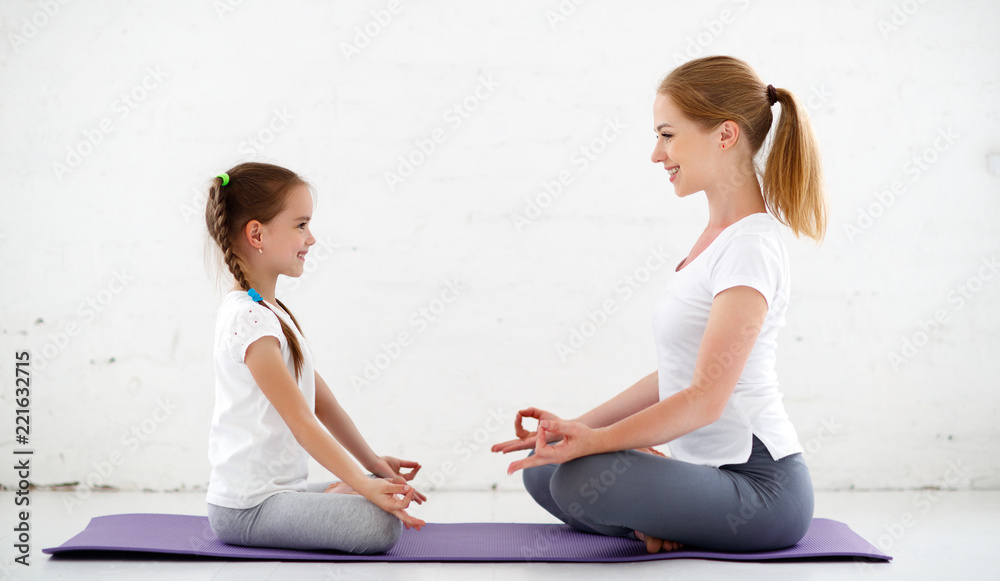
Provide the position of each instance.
(575, 440)
(392, 469)
(392, 497)
(525, 439)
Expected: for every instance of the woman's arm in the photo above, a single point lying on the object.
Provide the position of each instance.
(266, 364)
(733, 326)
(640, 396)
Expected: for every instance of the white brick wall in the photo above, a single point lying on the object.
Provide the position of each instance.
(104, 277)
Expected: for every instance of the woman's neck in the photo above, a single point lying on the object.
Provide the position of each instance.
(733, 197)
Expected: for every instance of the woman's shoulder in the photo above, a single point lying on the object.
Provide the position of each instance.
(756, 230)
(759, 224)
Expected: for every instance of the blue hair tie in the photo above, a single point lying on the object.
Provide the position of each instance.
(255, 296)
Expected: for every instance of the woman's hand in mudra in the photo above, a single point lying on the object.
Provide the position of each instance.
(525, 439)
(575, 439)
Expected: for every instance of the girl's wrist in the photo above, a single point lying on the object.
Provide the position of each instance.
(372, 464)
(358, 480)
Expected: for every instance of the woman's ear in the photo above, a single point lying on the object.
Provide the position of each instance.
(253, 233)
(729, 134)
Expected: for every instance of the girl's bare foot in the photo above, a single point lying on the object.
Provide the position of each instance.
(340, 488)
(655, 545)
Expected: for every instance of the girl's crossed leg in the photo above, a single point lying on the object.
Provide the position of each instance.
(309, 520)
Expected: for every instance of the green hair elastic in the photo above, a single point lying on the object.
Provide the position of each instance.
(225, 178)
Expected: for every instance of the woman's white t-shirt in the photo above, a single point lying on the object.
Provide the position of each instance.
(252, 451)
(747, 253)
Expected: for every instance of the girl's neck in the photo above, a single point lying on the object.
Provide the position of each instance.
(264, 289)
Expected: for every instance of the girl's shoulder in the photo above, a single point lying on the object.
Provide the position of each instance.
(240, 313)
(241, 321)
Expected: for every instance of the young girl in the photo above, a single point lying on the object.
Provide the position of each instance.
(737, 481)
(272, 409)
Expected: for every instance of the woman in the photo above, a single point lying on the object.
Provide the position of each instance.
(737, 480)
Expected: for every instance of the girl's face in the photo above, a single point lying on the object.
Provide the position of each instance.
(286, 239)
(687, 151)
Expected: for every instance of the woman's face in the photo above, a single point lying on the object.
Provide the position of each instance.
(687, 151)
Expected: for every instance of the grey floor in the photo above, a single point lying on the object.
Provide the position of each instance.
(931, 535)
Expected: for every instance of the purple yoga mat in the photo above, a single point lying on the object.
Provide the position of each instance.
(177, 534)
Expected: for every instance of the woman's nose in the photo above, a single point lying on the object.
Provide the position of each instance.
(658, 153)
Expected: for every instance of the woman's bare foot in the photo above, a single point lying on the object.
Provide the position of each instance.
(652, 451)
(655, 545)
(340, 488)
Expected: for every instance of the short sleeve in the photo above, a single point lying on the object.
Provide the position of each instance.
(749, 260)
(252, 321)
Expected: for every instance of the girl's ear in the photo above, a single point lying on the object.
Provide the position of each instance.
(729, 134)
(253, 233)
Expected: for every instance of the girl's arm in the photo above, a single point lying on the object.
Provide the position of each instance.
(733, 326)
(263, 358)
(341, 426)
(332, 415)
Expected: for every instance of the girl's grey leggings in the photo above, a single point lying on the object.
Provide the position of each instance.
(759, 505)
(309, 520)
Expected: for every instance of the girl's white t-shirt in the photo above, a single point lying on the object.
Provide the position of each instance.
(747, 253)
(252, 451)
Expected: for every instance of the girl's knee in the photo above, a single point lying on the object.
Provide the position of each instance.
(381, 532)
(226, 525)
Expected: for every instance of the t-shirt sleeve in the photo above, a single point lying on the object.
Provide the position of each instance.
(251, 322)
(749, 260)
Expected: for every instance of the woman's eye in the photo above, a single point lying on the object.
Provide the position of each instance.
(667, 135)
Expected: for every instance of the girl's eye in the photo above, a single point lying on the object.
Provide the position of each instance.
(302, 225)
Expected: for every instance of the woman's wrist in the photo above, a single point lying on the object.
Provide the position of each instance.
(601, 441)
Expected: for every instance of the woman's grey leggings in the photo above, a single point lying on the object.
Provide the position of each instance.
(309, 520)
(759, 505)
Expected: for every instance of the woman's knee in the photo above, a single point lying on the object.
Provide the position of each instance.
(536, 480)
(578, 485)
